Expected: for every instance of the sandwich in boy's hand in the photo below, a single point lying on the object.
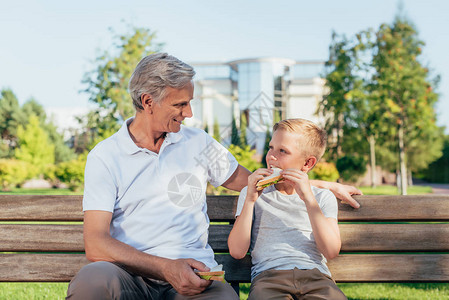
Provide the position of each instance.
(269, 180)
(214, 274)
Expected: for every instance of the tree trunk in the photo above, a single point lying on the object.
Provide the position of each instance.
(402, 165)
(372, 152)
(410, 177)
(339, 135)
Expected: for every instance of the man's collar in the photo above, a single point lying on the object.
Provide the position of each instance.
(174, 137)
(124, 138)
(125, 141)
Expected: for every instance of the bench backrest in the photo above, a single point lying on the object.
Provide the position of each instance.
(388, 239)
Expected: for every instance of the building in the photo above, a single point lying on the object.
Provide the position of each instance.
(263, 89)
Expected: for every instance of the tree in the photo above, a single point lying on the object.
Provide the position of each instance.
(34, 146)
(340, 81)
(107, 83)
(266, 147)
(405, 91)
(235, 137)
(10, 118)
(438, 171)
(216, 128)
(62, 151)
(243, 126)
(32, 107)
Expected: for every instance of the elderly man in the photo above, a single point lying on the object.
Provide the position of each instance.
(145, 214)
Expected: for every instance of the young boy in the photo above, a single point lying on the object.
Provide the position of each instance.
(291, 226)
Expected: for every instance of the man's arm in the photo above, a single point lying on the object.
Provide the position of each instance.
(238, 180)
(341, 191)
(100, 246)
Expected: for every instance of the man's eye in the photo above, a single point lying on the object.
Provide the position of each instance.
(282, 151)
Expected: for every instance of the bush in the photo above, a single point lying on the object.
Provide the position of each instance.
(72, 172)
(324, 171)
(351, 167)
(13, 173)
(438, 171)
(244, 156)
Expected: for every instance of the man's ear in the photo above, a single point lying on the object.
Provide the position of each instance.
(309, 163)
(147, 102)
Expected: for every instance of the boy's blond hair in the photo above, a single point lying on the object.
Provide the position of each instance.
(313, 138)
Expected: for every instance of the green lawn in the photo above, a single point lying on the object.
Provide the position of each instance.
(393, 190)
(371, 291)
(18, 191)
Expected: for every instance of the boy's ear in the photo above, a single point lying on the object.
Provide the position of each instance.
(147, 102)
(309, 164)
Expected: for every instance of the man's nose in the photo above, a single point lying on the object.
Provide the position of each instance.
(187, 111)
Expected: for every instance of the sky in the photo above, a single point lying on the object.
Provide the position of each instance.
(47, 46)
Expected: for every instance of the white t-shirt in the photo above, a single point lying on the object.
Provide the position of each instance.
(282, 237)
(158, 201)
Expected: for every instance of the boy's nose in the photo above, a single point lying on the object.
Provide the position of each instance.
(272, 157)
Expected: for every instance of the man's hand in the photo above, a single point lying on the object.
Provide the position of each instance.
(344, 193)
(179, 273)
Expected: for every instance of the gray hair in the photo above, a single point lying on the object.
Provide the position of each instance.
(154, 73)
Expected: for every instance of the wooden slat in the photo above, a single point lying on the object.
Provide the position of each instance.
(355, 237)
(235, 270)
(345, 268)
(46, 238)
(69, 238)
(221, 208)
(370, 237)
(373, 208)
(394, 237)
(40, 267)
(398, 208)
(430, 207)
(69, 208)
(391, 268)
(41, 208)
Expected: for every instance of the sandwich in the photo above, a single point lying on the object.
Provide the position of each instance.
(215, 273)
(269, 180)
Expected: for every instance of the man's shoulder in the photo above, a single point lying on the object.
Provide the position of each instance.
(108, 145)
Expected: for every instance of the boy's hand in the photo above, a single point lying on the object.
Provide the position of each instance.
(300, 181)
(253, 179)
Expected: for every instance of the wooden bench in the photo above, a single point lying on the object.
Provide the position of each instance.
(389, 239)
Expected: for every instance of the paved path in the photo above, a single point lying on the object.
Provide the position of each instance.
(439, 188)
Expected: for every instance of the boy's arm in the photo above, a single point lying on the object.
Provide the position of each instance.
(341, 191)
(239, 239)
(325, 230)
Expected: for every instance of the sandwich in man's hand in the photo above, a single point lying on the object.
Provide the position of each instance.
(269, 180)
(217, 275)
(214, 274)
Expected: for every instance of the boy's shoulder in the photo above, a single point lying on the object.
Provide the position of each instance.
(322, 194)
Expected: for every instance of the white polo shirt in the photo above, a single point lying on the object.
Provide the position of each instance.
(158, 201)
